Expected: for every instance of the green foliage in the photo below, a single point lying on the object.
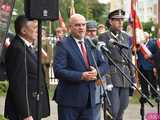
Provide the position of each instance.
(91, 9)
(2, 118)
(147, 27)
(3, 87)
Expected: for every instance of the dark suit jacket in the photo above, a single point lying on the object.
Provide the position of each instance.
(22, 75)
(68, 68)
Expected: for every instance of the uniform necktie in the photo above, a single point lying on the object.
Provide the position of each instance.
(84, 53)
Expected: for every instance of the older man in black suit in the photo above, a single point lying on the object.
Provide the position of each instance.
(21, 65)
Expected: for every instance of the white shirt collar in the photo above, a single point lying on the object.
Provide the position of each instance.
(26, 42)
(77, 40)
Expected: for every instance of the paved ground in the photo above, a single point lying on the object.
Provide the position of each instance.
(132, 113)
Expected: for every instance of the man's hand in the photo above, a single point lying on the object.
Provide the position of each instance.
(134, 86)
(28, 118)
(89, 75)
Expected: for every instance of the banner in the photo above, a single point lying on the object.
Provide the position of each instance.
(61, 21)
(137, 26)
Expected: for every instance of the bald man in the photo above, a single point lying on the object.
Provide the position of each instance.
(75, 68)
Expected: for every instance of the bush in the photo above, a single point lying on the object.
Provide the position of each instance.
(3, 87)
(2, 118)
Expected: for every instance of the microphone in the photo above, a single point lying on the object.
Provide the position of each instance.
(118, 44)
(98, 45)
(102, 46)
(92, 43)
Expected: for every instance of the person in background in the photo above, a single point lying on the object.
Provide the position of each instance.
(91, 29)
(119, 86)
(75, 68)
(21, 66)
(59, 34)
(91, 33)
(47, 54)
(147, 67)
(3, 74)
(101, 29)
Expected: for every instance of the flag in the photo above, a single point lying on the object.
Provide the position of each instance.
(61, 21)
(72, 9)
(137, 26)
(145, 51)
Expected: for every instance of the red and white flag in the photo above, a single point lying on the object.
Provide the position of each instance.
(61, 21)
(138, 28)
(145, 51)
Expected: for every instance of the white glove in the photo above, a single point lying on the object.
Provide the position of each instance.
(109, 87)
(135, 84)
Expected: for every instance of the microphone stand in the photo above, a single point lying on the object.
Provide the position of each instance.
(39, 69)
(144, 98)
(105, 92)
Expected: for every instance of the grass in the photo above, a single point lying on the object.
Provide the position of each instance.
(3, 87)
(136, 97)
(2, 118)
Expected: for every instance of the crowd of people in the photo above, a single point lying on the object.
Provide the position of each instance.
(85, 73)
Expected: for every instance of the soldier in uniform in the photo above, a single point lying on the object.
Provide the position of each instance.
(47, 54)
(118, 87)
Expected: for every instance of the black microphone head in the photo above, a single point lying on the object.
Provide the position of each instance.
(120, 45)
(91, 42)
(95, 41)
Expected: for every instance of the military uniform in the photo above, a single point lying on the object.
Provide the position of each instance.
(47, 61)
(119, 95)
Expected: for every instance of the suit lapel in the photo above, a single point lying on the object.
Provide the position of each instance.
(88, 48)
(76, 50)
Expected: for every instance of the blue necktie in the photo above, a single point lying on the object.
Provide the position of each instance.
(33, 52)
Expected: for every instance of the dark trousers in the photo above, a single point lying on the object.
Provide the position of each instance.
(76, 113)
(145, 86)
(97, 113)
(119, 97)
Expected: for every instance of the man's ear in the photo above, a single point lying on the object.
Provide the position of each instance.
(110, 21)
(23, 31)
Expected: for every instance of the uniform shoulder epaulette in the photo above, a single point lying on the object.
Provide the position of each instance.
(124, 32)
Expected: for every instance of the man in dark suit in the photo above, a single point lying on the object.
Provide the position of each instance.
(75, 68)
(21, 65)
(119, 86)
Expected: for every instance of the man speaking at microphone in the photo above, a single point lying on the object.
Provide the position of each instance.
(75, 68)
(117, 41)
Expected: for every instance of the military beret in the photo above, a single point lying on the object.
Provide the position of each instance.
(119, 13)
(91, 25)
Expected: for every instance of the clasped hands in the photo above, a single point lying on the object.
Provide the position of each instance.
(89, 75)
